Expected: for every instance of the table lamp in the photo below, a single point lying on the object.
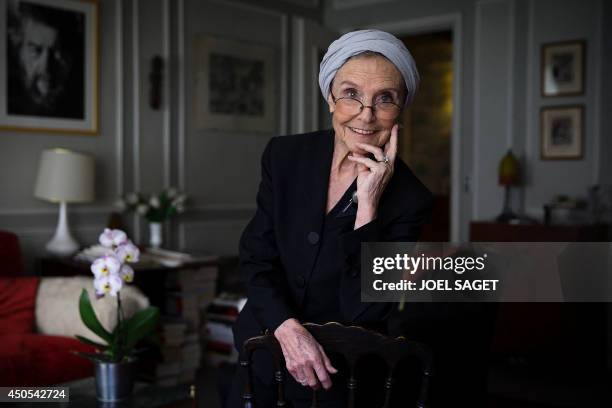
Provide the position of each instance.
(509, 175)
(64, 176)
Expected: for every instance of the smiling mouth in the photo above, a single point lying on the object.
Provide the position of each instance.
(365, 132)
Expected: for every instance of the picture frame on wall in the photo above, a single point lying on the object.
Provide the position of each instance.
(562, 132)
(234, 85)
(49, 66)
(563, 68)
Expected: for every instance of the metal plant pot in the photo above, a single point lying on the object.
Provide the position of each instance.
(114, 381)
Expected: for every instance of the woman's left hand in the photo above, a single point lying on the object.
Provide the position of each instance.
(373, 176)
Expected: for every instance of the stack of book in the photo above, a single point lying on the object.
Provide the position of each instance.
(220, 316)
(188, 293)
(168, 370)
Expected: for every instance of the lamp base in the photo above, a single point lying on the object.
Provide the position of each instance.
(62, 243)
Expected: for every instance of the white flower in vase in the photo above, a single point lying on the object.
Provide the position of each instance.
(132, 198)
(142, 209)
(154, 202)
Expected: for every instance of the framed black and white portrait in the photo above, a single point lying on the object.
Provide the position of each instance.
(562, 134)
(49, 65)
(234, 85)
(563, 68)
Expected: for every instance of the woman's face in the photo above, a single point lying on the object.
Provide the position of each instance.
(371, 79)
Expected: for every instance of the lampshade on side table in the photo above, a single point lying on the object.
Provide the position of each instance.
(64, 176)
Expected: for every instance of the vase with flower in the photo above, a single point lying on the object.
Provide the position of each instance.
(115, 357)
(156, 209)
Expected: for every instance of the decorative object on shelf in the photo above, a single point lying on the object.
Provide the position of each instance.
(156, 77)
(64, 176)
(156, 209)
(563, 68)
(50, 66)
(563, 210)
(234, 85)
(509, 175)
(114, 362)
(600, 203)
(562, 132)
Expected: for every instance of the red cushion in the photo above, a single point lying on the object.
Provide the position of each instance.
(17, 304)
(31, 360)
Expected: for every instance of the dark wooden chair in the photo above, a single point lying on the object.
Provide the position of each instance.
(352, 343)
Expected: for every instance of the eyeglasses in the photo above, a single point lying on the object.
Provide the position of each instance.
(352, 106)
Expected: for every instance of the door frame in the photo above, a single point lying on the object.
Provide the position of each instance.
(429, 24)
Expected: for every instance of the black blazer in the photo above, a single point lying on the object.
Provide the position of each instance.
(279, 245)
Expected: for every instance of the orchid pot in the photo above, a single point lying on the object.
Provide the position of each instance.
(115, 355)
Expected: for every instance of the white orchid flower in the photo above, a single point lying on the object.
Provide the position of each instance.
(108, 285)
(110, 238)
(142, 209)
(106, 266)
(154, 202)
(131, 198)
(126, 273)
(121, 205)
(128, 252)
(180, 208)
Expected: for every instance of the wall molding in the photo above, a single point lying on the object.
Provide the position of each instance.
(167, 67)
(511, 60)
(298, 43)
(13, 212)
(529, 149)
(136, 106)
(119, 118)
(48, 231)
(453, 22)
(597, 132)
(284, 88)
(350, 4)
(181, 117)
(475, 185)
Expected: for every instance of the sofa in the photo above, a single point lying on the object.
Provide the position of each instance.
(39, 318)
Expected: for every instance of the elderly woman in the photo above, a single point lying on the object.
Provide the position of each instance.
(321, 195)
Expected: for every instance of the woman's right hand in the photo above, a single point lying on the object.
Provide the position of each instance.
(305, 358)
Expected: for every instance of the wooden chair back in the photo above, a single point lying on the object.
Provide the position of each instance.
(352, 343)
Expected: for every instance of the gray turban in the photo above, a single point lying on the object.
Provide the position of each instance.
(356, 42)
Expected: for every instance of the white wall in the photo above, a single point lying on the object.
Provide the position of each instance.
(143, 149)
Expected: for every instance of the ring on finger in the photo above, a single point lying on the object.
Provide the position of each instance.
(384, 160)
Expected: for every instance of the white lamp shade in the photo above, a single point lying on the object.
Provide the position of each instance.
(65, 176)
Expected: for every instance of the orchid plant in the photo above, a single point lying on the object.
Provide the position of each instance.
(111, 271)
(155, 208)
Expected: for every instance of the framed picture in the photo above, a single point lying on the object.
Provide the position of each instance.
(563, 68)
(234, 85)
(562, 132)
(49, 65)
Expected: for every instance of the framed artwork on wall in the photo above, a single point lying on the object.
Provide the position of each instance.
(563, 68)
(234, 85)
(49, 66)
(562, 132)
